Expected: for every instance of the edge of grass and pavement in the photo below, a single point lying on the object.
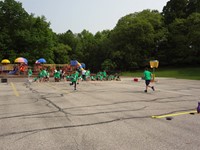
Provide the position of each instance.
(192, 73)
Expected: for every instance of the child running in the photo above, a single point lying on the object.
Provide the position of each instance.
(147, 77)
(74, 78)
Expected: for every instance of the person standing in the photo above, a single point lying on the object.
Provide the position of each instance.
(147, 78)
(84, 74)
(30, 73)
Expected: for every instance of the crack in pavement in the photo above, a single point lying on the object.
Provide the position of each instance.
(122, 102)
(26, 136)
(19, 103)
(107, 112)
(56, 106)
(43, 117)
(26, 115)
(44, 96)
(72, 126)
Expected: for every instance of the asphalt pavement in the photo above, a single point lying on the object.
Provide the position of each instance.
(99, 115)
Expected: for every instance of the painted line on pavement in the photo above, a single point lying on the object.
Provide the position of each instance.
(14, 89)
(174, 114)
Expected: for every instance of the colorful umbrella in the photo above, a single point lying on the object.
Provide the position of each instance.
(25, 61)
(21, 60)
(5, 61)
(37, 62)
(41, 60)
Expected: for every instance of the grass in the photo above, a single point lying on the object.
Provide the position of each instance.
(192, 73)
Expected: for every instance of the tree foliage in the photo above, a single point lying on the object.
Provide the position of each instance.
(28, 36)
(172, 37)
(134, 38)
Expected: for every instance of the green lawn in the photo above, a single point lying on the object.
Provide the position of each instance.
(180, 73)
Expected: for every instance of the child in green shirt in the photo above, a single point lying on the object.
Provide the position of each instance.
(30, 72)
(147, 77)
(74, 78)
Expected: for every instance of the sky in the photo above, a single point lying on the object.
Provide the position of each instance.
(91, 15)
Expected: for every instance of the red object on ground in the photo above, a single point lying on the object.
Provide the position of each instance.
(135, 79)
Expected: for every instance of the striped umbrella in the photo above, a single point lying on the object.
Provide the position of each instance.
(21, 60)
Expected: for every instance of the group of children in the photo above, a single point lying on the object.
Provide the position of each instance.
(44, 75)
(58, 75)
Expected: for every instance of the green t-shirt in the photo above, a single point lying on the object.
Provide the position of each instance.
(30, 72)
(57, 74)
(44, 73)
(147, 75)
(74, 77)
(104, 74)
(40, 74)
(87, 73)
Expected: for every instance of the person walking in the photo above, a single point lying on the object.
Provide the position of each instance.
(147, 78)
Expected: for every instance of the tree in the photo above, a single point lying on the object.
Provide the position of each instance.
(101, 51)
(26, 35)
(134, 39)
(12, 17)
(85, 46)
(174, 9)
(181, 18)
(108, 65)
(68, 38)
(41, 39)
(193, 38)
(177, 41)
(193, 7)
(61, 54)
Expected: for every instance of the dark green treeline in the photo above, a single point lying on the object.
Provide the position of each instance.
(172, 37)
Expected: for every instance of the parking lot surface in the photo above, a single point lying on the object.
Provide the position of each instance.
(99, 115)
